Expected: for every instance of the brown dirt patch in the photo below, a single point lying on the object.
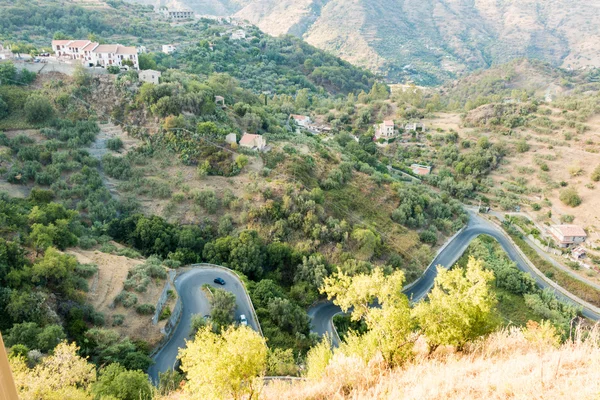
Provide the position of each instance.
(108, 283)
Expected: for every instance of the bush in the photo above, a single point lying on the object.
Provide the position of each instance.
(113, 69)
(596, 174)
(86, 270)
(165, 313)
(38, 109)
(567, 218)
(522, 146)
(570, 197)
(118, 319)
(115, 144)
(145, 309)
(126, 299)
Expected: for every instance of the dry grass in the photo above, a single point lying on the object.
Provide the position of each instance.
(108, 283)
(506, 365)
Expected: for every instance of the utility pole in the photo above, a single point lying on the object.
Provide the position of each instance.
(8, 391)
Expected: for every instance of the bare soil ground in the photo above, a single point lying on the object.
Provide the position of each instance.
(108, 283)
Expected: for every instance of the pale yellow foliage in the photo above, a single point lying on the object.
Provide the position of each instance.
(226, 365)
(318, 358)
(61, 376)
(459, 307)
(505, 365)
(390, 325)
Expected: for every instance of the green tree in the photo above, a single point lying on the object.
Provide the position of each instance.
(38, 109)
(224, 366)
(222, 305)
(460, 306)
(55, 268)
(117, 382)
(367, 243)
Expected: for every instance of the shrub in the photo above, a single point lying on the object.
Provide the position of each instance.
(536, 207)
(522, 146)
(86, 242)
(114, 144)
(566, 218)
(570, 197)
(596, 174)
(38, 109)
(113, 69)
(145, 309)
(165, 313)
(118, 319)
(86, 270)
(126, 299)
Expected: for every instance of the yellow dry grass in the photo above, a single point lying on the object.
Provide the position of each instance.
(504, 366)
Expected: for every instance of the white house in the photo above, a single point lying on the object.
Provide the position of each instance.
(114, 54)
(92, 53)
(238, 34)
(567, 235)
(169, 48)
(385, 130)
(176, 15)
(150, 76)
(301, 120)
(231, 138)
(414, 127)
(254, 142)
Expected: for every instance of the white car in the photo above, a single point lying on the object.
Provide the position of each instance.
(243, 320)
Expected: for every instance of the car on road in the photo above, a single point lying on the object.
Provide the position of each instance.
(243, 320)
(219, 281)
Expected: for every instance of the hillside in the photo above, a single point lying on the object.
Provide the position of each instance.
(509, 364)
(433, 40)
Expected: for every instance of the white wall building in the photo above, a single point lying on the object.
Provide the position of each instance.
(238, 35)
(169, 48)
(385, 130)
(254, 142)
(92, 54)
(150, 76)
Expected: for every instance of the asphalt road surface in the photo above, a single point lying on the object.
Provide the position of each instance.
(322, 314)
(189, 287)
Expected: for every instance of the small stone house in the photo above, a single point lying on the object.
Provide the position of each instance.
(150, 76)
(385, 130)
(231, 138)
(254, 142)
(568, 235)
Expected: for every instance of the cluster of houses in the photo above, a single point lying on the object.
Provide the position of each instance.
(387, 129)
(303, 122)
(95, 54)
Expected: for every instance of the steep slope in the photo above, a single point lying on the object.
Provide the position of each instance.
(432, 40)
(202, 7)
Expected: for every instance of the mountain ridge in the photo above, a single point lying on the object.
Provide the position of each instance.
(428, 41)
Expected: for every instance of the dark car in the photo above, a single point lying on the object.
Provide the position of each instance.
(220, 281)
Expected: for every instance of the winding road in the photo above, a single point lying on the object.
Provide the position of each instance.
(189, 287)
(194, 302)
(322, 314)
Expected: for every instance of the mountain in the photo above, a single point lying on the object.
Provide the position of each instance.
(429, 41)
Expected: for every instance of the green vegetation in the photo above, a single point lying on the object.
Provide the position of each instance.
(570, 197)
